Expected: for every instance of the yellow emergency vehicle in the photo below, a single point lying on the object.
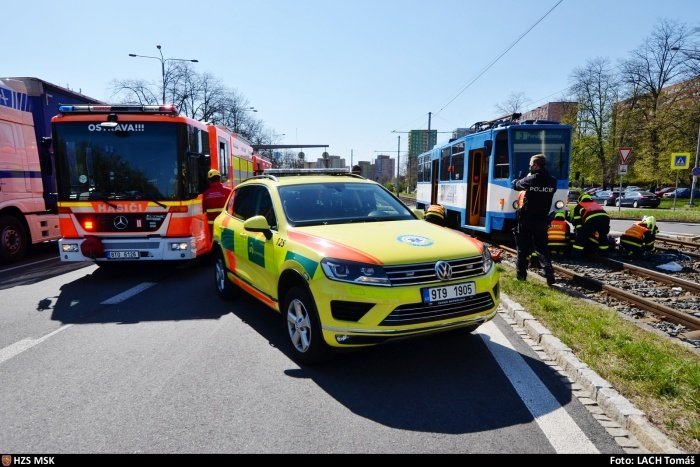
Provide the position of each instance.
(346, 263)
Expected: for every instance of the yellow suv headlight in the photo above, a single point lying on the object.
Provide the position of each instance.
(357, 273)
(488, 261)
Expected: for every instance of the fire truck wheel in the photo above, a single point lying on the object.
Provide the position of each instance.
(13, 239)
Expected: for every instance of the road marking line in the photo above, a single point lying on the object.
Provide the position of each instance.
(128, 293)
(561, 430)
(26, 344)
(29, 264)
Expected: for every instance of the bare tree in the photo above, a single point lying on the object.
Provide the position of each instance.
(199, 96)
(596, 89)
(515, 103)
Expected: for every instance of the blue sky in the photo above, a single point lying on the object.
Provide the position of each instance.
(339, 73)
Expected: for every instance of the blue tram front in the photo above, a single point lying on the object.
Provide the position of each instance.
(471, 176)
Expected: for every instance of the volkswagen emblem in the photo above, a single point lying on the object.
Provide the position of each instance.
(120, 222)
(443, 270)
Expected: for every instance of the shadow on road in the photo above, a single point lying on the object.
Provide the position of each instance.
(85, 300)
(443, 383)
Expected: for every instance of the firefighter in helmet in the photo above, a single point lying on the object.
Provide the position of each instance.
(639, 239)
(592, 226)
(558, 233)
(435, 214)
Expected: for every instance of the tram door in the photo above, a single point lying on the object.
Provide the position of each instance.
(477, 186)
(434, 182)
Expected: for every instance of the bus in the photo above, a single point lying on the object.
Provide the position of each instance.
(471, 176)
(131, 178)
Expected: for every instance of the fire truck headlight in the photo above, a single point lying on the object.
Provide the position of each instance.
(70, 248)
(180, 246)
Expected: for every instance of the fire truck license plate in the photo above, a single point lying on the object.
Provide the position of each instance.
(439, 294)
(130, 254)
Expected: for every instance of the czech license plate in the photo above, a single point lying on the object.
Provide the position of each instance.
(127, 254)
(450, 292)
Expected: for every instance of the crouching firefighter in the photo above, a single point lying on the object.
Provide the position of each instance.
(537, 190)
(558, 234)
(435, 214)
(639, 239)
(589, 218)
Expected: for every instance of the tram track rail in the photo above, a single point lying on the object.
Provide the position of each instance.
(660, 310)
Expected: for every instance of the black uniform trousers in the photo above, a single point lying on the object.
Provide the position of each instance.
(531, 235)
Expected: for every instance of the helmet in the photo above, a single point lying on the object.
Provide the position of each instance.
(584, 197)
(649, 221)
(435, 214)
(213, 173)
(559, 215)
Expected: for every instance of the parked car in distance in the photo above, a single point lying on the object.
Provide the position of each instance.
(606, 197)
(681, 193)
(633, 188)
(637, 199)
(662, 191)
(573, 195)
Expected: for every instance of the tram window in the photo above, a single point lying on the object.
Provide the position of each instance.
(458, 161)
(427, 169)
(445, 164)
(502, 164)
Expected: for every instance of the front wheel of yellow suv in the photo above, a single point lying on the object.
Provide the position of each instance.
(303, 327)
(224, 287)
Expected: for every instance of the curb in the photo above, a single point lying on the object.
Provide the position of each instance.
(615, 406)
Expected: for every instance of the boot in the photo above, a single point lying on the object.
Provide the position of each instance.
(521, 276)
(549, 274)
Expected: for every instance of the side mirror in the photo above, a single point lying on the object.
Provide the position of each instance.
(258, 224)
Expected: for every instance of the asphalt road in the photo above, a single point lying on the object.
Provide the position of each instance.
(150, 360)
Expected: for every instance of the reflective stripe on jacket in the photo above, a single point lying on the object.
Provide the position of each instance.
(587, 210)
(557, 233)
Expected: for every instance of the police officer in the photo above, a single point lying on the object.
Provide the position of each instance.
(538, 189)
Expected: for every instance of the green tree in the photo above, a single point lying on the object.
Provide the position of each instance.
(655, 77)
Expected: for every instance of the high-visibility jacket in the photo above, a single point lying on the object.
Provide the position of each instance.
(558, 233)
(586, 210)
(214, 200)
(639, 237)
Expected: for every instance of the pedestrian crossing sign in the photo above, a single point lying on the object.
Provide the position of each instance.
(680, 160)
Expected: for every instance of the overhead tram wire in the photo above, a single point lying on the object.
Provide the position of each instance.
(493, 62)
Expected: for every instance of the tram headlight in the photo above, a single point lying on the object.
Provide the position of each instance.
(559, 204)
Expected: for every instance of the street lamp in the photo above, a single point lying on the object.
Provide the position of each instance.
(235, 116)
(162, 64)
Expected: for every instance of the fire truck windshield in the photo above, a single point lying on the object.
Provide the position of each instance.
(131, 161)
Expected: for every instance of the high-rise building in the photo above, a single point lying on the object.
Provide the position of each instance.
(384, 168)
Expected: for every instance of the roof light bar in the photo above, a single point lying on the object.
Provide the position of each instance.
(154, 109)
(339, 171)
